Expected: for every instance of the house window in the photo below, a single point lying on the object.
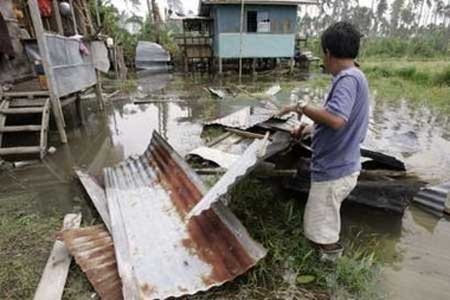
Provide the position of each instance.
(258, 21)
(252, 21)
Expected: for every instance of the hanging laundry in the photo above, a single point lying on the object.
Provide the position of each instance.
(6, 46)
(45, 6)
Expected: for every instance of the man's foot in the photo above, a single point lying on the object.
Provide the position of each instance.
(331, 252)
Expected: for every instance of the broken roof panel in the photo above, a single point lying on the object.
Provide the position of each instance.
(158, 253)
(244, 118)
(93, 250)
(246, 163)
(97, 194)
(221, 158)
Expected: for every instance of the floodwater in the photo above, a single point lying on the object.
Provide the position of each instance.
(416, 248)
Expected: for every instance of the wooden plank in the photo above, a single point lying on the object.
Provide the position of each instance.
(25, 94)
(20, 128)
(22, 110)
(53, 280)
(3, 104)
(57, 17)
(20, 150)
(21, 102)
(43, 49)
(44, 128)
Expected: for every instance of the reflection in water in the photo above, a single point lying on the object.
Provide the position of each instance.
(415, 249)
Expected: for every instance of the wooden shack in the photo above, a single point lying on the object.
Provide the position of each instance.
(249, 29)
(59, 49)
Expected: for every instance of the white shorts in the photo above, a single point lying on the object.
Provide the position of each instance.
(322, 219)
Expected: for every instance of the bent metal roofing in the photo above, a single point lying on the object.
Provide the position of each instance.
(159, 253)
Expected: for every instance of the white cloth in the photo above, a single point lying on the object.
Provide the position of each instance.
(322, 219)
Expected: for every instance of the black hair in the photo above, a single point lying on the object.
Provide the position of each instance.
(342, 40)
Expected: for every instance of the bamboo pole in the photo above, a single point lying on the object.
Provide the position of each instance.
(57, 15)
(74, 20)
(43, 48)
(240, 41)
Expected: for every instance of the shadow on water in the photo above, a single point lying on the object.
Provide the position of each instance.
(415, 248)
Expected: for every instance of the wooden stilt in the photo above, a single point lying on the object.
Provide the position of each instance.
(98, 91)
(254, 66)
(43, 47)
(57, 16)
(79, 109)
(220, 66)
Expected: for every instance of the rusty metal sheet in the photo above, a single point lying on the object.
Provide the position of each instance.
(244, 118)
(93, 250)
(160, 254)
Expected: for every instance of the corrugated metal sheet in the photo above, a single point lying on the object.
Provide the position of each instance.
(434, 198)
(159, 254)
(246, 163)
(244, 118)
(222, 159)
(152, 57)
(97, 195)
(93, 250)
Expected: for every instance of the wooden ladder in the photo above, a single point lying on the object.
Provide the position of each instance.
(12, 106)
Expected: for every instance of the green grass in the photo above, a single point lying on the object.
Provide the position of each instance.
(26, 239)
(276, 222)
(421, 82)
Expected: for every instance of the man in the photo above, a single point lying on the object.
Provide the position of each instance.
(339, 128)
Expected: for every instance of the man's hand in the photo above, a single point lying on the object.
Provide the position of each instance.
(285, 110)
(301, 131)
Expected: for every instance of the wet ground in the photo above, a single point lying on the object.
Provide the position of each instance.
(415, 248)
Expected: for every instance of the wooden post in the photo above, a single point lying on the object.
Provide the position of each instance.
(220, 66)
(74, 20)
(292, 65)
(44, 51)
(240, 41)
(254, 66)
(57, 16)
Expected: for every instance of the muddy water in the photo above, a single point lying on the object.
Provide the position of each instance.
(415, 248)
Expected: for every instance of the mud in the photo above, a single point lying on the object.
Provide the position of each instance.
(415, 248)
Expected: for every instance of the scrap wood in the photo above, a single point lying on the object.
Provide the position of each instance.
(96, 194)
(93, 250)
(53, 280)
(158, 254)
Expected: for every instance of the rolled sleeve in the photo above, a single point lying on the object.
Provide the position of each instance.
(343, 98)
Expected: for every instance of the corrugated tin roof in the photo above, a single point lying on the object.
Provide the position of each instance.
(93, 250)
(244, 118)
(433, 198)
(149, 51)
(246, 163)
(97, 194)
(222, 159)
(159, 254)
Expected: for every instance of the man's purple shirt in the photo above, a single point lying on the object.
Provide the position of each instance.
(336, 152)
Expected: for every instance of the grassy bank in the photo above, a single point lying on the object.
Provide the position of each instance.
(423, 82)
(26, 239)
